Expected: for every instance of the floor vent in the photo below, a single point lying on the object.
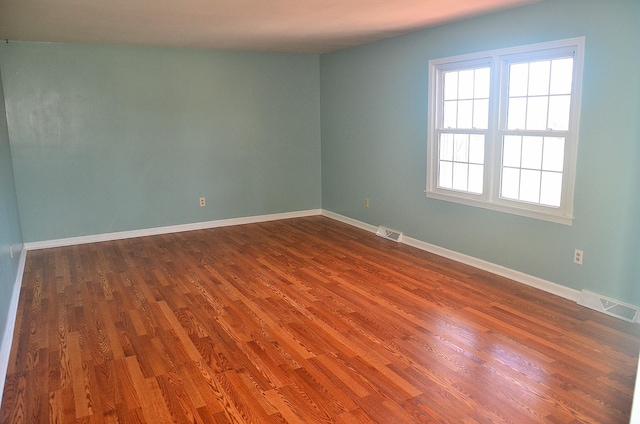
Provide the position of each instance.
(389, 234)
(608, 306)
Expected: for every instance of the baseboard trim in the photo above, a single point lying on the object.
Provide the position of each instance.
(547, 286)
(71, 241)
(7, 340)
(350, 221)
(635, 405)
(12, 314)
(521, 277)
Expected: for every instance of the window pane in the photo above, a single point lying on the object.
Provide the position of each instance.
(445, 179)
(517, 145)
(465, 114)
(481, 114)
(476, 178)
(518, 79)
(530, 186)
(460, 177)
(476, 148)
(559, 112)
(553, 156)
(517, 113)
(461, 148)
(511, 151)
(465, 84)
(561, 76)
(510, 183)
(446, 147)
(551, 189)
(450, 85)
(450, 114)
(532, 152)
(539, 78)
(482, 83)
(537, 113)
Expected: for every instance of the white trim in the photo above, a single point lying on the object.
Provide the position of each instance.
(497, 61)
(548, 286)
(7, 340)
(635, 406)
(529, 280)
(350, 221)
(521, 277)
(12, 313)
(71, 241)
(514, 209)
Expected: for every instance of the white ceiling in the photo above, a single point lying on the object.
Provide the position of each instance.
(298, 26)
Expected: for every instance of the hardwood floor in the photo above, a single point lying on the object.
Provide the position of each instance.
(304, 320)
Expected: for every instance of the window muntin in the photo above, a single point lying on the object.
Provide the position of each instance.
(532, 169)
(466, 98)
(465, 107)
(540, 94)
(503, 129)
(539, 99)
(461, 162)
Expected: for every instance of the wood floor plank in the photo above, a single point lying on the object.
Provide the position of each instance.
(82, 397)
(305, 320)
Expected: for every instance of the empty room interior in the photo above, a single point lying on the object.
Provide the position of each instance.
(315, 211)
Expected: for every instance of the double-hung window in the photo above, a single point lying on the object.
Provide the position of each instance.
(503, 129)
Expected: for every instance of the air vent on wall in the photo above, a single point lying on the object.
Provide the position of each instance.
(612, 307)
(389, 234)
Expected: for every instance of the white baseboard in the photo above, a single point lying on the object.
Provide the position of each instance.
(71, 241)
(530, 280)
(7, 338)
(521, 277)
(635, 406)
(548, 286)
(350, 221)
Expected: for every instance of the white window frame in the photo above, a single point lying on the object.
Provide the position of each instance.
(498, 61)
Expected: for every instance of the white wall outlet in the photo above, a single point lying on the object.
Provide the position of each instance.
(366, 202)
(11, 251)
(577, 256)
(203, 202)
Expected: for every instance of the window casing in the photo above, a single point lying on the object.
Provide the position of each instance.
(503, 129)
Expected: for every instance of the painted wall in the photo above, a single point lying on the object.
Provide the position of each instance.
(374, 131)
(117, 138)
(10, 234)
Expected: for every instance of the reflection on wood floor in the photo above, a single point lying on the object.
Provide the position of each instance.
(304, 320)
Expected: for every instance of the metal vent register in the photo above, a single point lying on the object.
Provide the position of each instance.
(608, 306)
(389, 234)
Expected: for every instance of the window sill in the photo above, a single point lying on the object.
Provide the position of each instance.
(510, 209)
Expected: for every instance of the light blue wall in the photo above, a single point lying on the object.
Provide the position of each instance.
(108, 138)
(115, 138)
(374, 131)
(10, 234)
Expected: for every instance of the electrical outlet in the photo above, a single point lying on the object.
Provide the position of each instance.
(203, 202)
(366, 202)
(577, 256)
(11, 251)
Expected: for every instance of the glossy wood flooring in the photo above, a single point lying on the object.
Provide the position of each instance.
(303, 321)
